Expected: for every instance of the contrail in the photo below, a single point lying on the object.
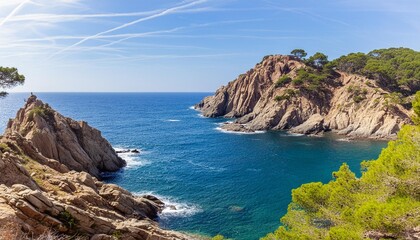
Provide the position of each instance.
(163, 13)
(140, 35)
(13, 12)
(73, 17)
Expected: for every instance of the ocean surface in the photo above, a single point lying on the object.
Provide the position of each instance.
(237, 185)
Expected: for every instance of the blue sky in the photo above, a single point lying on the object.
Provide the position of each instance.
(185, 45)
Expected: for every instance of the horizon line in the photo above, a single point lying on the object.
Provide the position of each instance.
(34, 92)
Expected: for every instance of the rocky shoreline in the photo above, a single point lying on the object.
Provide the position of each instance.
(349, 104)
(51, 166)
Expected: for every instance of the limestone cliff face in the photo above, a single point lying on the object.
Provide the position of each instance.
(75, 144)
(251, 98)
(48, 187)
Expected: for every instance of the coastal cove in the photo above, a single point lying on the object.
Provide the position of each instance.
(237, 185)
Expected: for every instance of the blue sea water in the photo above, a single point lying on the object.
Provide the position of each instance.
(238, 185)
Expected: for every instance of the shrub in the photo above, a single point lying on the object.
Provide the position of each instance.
(67, 219)
(281, 98)
(117, 234)
(282, 81)
(4, 148)
(358, 98)
(385, 199)
(359, 94)
(218, 237)
(42, 111)
(289, 94)
(13, 231)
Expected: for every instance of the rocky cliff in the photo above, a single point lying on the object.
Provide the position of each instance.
(48, 165)
(348, 104)
(74, 144)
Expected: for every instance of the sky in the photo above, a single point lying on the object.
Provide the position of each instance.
(185, 45)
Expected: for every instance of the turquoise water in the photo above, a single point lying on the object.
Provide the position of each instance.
(235, 185)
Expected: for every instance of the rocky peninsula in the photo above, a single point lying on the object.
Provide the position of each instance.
(50, 166)
(283, 92)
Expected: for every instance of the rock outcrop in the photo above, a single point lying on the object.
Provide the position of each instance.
(348, 104)
(74, 144)
(48, 165)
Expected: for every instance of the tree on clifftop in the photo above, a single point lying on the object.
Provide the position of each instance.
(9, 77)
(299, 53)
(318, 60)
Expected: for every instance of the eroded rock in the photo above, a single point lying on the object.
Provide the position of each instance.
(48, 181)
(258, 103)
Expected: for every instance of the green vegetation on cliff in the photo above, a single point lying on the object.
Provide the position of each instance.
(396, 69)
(383, 203)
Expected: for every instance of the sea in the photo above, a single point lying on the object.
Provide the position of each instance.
(237, 185)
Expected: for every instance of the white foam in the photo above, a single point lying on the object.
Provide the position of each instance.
(344, 140)
(295, 134)
(120, 149)
(192, 108)
(207, 167)
(132, 159)
(173, 207)
(224, 123)
(173, 120)
(201, 115)
(238, 133)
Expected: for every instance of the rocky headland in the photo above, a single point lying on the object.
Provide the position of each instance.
(270, 97)
(50, 166)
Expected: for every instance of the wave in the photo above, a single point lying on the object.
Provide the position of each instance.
(207, 167)
(344, 140)
(173, 120)
(253, 169)
(238, 133)
(295, 134)
(223, 123)
(173, 207)
(132, 159)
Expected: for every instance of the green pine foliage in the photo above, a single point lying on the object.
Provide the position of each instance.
(393, 69)
(384, 201)
(9, 77)
(311, 79)
(396, 69)
(299, 53)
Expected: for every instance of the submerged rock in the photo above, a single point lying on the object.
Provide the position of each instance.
(235, 208)
(135, 151)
